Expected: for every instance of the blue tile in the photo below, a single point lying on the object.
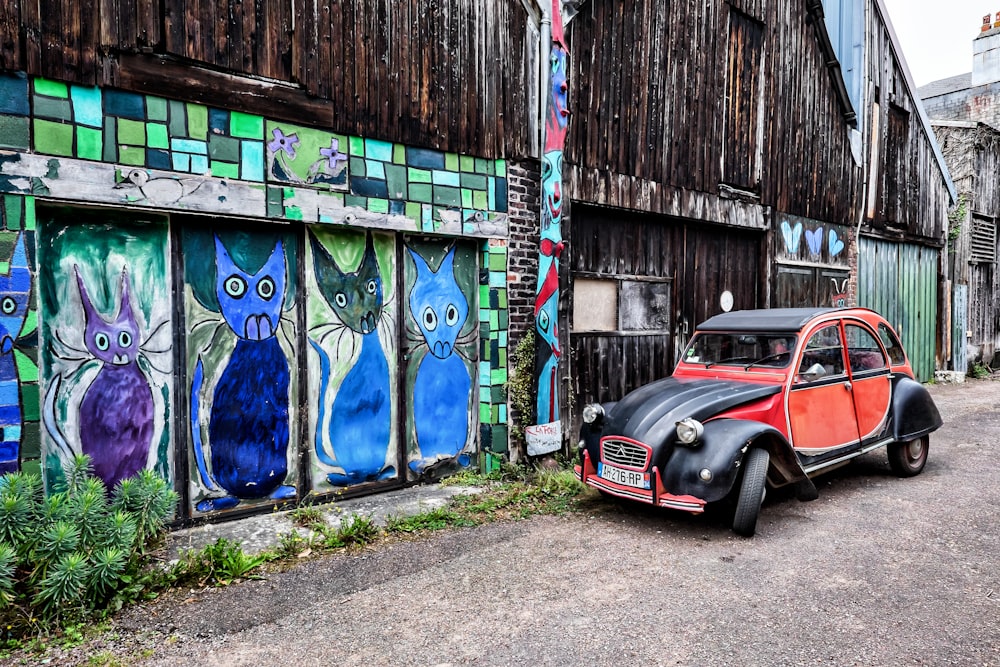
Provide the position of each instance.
(157, 159)
(87, 107)
(252, 161)
(501, 195)
(369, 187)
(124, 105)
(378, 150)
(441, 177)
(218, 121)
(189, 146)
(182, 162)
(397, 207)
(424, 159)
(14, 94)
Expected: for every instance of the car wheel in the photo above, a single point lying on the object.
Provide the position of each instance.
(908, 458)
(752, 490)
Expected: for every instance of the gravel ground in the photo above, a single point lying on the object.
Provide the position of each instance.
(878, 571)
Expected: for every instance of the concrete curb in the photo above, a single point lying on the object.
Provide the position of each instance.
(260, 533)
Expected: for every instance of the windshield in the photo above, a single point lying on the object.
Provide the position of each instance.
(740, 349)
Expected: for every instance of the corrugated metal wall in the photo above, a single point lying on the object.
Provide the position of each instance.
(899, 280)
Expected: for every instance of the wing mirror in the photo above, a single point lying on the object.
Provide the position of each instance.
(813, 373)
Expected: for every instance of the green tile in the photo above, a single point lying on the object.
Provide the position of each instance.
(353, 200)
(156, 136)
(53, 138)
(480, 200)
(131, 132)
(156, 108)
(275, 202)
(15, 132)
(222, 148)
(399, 154)
(246, 126)
(474, 182)
(482, 167)
(225, 169)
(358, 167)
(51, 88)
(197, 121)
(466, 163)
(133, 155)
(376, 205)
(446, 196)
(466, 198)
(421, 192)
(12, 211)
(498, 262)
(413, 210)
(395, 178)
(89, 143)
(46, 107)
(451, 161)
(501, 168)
(29, 214)
(357, 146)
(419, 175)
(178, 119)
(110, 139)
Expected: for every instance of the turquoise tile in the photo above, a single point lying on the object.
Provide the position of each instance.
(252, 163)
(88, 106)
(182, 161)
(199, 164)
(189, 146)
(374, 168)
(446, 178)
(378, 150)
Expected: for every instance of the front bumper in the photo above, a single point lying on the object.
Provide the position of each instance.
(586, 472)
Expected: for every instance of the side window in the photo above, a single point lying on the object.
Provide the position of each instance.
(824, 348)
(863, 351)
(892, 345)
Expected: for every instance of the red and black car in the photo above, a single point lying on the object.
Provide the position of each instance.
(761, 398)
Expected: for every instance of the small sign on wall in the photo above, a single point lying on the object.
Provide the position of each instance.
(543, 438)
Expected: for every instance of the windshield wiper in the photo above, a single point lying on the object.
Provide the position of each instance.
(775, 355)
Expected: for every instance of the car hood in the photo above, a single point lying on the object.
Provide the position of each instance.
(650, 414)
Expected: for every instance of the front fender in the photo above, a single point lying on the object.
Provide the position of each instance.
(913, 411)
(723, 446)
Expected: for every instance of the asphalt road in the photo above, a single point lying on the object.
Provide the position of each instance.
(877, 571)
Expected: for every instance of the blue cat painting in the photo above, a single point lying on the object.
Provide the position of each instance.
(442, 384)
(358, 426)
(15, 290)
(248, 422)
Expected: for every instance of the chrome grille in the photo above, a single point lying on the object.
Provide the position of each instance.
(624, 453)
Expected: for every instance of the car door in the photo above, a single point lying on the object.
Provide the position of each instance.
(820, 404)
(870, 379)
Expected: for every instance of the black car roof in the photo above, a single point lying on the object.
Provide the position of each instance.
(772, 319)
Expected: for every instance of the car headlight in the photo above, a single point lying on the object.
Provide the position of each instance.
(689, 431)
(592, 412)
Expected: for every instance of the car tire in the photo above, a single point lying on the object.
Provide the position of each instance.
(752, 490)
(908, 458)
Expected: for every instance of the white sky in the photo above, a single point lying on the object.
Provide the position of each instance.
(936, 35)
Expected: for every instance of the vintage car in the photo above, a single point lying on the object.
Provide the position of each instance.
(761, 398)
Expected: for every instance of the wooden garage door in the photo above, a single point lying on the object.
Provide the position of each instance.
(640, 284)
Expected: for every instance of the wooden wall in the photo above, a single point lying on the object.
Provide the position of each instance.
(445, 74)
(650, 84)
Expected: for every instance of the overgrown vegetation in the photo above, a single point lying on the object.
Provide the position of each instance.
(957, 217)
(521, 382)
(981, 371)
(58, 567)
(77, 553)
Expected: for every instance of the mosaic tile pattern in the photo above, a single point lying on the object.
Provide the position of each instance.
(146, 131)
(493, 321)
(17, 214)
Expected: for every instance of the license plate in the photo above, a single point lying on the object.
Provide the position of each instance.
(639, 480)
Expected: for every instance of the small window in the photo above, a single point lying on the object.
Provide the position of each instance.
(892, 345)
(824, 348)
(863, 351)
(638, 305)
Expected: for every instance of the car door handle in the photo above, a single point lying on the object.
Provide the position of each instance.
(848, 386)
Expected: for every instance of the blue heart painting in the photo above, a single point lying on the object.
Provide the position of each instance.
(814, 239)
(835, 245)
(792, 236)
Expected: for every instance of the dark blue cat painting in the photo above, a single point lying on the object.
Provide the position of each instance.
(248, 424)
(15, 290)
(359, 423)
(442, 385)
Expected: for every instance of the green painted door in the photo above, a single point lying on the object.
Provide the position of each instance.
(899, 280)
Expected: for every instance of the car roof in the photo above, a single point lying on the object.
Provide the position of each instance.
(768, 319)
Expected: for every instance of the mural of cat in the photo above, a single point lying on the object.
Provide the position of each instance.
(248, 424)
(442, 383)
(116, 412)
(15, 293)
(359, 424)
